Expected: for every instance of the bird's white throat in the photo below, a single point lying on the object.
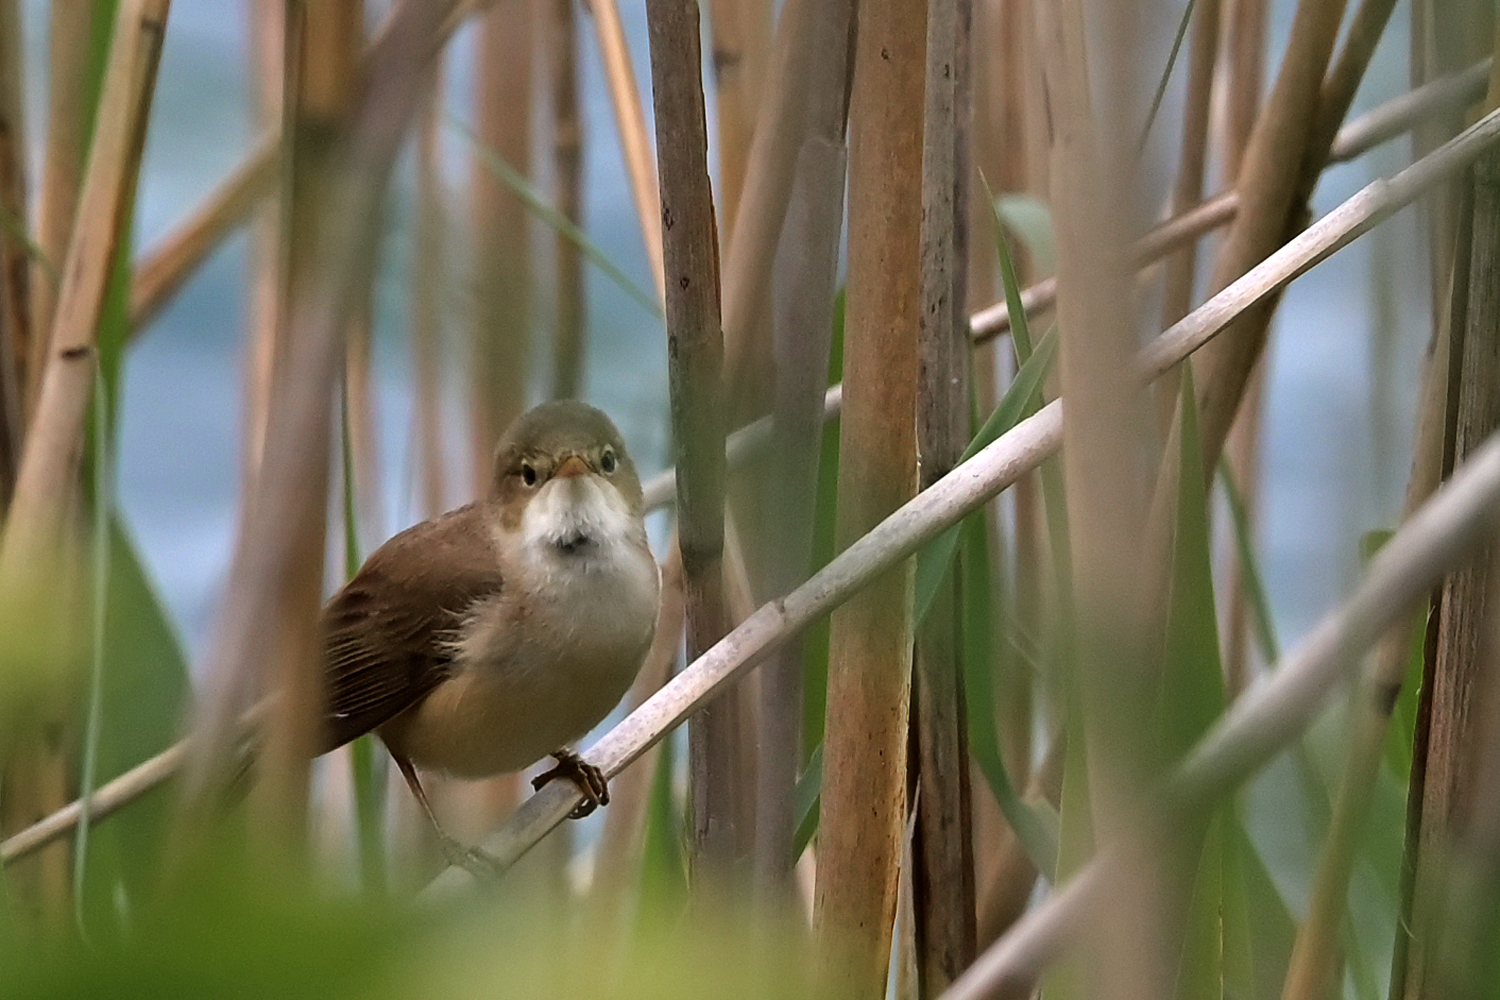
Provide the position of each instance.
(580, 518)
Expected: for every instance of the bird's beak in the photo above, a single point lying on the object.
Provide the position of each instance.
(571, 466)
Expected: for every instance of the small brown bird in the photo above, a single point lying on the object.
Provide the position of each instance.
(495, 634)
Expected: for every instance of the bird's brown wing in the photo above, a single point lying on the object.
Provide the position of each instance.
(388, 632)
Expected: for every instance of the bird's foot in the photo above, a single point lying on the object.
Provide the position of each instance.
(589, 779)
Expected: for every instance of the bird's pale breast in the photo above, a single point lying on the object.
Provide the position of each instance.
(542, 663)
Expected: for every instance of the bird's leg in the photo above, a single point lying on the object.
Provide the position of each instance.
(589, 779)
(476, 862)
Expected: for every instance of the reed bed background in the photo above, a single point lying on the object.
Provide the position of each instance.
(1038, 618)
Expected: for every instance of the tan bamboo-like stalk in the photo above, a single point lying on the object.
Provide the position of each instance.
(429, 273)
(265, 279)
(567, 182)
(70, 37)
(1244, 61)
(719, 778)
(780, 130)
(630, 122)
(501, 322)
(1471, 879)
(267, 580)
(741, 39)
(1267, 185)
(941, 875)
(161, 270)
(34, 550)
(49, 464)
(869, 668)
(15, 263)
(321, 50)
(805, 282)
(1444, 36)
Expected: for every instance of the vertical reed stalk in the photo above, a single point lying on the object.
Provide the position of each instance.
(429, 272)
(1451, 683)
(70, 97)
(567, 181)
(718, 775)
(268, 57)
(806, 277)
(1245, 55)
(35, 549)
(49, 466)
(322, 43)
(942, 851)
(869, 670)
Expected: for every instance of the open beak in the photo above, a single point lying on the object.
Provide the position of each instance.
(571, 466)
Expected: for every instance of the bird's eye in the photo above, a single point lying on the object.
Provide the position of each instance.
(607, 461)
(528, 473)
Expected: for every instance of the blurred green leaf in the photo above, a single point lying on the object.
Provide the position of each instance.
(1030, 219)
(934, 558)
(145, 695)
(1035, 827)
(1255, 587)
(808, 796)
(663, 859)
(1191, 697)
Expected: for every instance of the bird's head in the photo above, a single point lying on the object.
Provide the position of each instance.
(564, 480)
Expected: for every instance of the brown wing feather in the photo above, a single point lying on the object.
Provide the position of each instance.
(388, 630)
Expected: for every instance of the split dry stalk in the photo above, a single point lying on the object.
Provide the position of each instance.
(940, 876)
(720, 778)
